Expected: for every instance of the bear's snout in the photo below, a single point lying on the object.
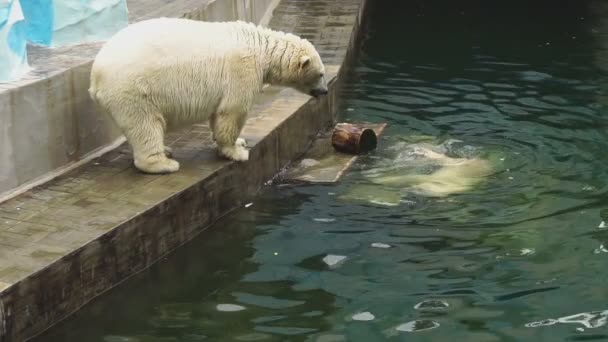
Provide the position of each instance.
(316, 92)
(320, 87)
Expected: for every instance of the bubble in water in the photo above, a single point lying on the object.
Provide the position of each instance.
(363, 316)
(229, 307)
(418, 325)
(326, 220)
(431, 304)
(527, 251)
(333, 260)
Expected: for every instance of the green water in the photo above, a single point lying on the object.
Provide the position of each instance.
(522, 83)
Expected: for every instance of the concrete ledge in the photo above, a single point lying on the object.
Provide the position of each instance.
(48, 124)
(77, 236)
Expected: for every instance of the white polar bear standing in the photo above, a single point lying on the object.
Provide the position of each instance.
(165, 73)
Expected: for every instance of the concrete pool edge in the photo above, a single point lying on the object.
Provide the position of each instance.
(39, 300)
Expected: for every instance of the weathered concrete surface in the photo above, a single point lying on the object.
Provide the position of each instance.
(63, 243)
(48, 122)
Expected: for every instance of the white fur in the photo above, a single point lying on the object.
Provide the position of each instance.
(162, 74)
(456, 175)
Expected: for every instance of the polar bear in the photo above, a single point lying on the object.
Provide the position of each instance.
(422, 166)
(454, 175)
(161, 74)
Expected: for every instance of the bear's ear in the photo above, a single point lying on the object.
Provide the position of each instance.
(304, 61)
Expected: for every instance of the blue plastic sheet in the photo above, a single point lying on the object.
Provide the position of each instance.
(13, 54)
(53, 23)
(66, 22)
(39, 21)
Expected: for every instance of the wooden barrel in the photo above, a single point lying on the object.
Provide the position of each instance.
(353, 139)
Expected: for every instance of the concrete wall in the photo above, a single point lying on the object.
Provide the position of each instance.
(256, 11)
(47, 121)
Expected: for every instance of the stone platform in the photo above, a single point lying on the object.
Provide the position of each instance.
(69, 240)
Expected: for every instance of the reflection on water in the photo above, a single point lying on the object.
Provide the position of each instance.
(589, 320)
(519, 256)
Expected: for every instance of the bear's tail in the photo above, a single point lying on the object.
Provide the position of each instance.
(93, 93)
(93, 87)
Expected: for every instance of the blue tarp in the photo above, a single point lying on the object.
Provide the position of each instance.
(53, 23)
(39, 20)
(13, 55)
(66, 22)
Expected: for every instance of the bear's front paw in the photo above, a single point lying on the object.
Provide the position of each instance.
(240, 142)
(235, 153)
(242, 155)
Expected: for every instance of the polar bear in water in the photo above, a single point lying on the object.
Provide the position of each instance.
(422, 168)
(452, 175)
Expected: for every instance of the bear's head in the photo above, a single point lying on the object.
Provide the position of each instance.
(311, 71)
(307, 72)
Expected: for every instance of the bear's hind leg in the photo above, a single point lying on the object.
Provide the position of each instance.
(145, 133)
(226, 128)
(149, 151)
